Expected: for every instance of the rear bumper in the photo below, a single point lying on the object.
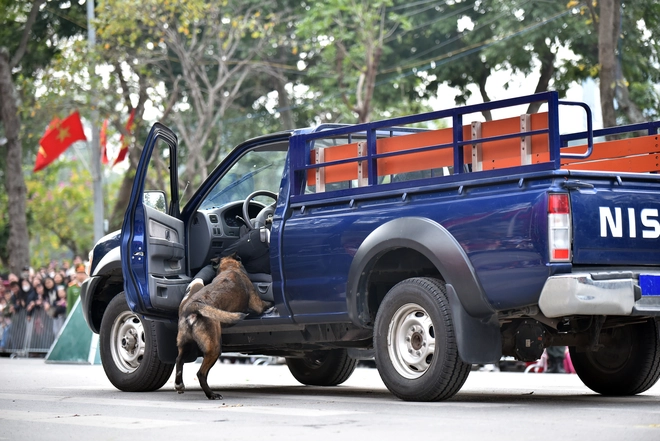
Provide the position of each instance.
(597, 293)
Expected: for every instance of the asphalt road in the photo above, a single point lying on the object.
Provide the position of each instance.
(76, 402)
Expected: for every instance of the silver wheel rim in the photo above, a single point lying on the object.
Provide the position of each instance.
(127, 342)
(411, 341)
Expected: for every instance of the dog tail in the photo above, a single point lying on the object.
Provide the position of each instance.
(221, 316)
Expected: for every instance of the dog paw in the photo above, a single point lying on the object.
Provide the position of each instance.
(180, 388)
(214, 396)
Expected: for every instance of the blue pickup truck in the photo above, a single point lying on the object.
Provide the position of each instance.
(430, 242)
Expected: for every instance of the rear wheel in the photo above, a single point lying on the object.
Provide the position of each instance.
(628, 364)
(322, 368)
(415, 344)
(129, 353)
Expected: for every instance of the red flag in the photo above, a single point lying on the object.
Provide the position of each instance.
(124, 144)
(59, 136)
(103, 140)
(54, 123)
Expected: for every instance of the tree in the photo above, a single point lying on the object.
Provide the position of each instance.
(608, 36)
(39, 27)
(59, 210)
(345, 41)
(619, 46)
(202, 53)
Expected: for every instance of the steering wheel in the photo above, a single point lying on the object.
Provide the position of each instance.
(260, 220)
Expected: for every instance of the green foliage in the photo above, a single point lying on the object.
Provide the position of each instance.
(234, 70)
(60, 210)
(343, 43)
(56, 21)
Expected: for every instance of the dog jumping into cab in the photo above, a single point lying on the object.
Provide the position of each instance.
(203, 312)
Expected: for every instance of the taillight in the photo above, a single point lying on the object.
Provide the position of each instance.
(559, 227)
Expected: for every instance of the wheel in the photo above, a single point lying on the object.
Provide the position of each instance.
(628, 364)
(415, 344)
(129, 353)
(322, 368)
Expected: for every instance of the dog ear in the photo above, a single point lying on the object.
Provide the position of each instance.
(216, 260)
(235, 256)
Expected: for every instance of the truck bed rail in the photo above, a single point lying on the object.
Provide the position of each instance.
(395, 150)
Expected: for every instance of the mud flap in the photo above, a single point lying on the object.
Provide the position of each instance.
(166, 341)
(479, 340)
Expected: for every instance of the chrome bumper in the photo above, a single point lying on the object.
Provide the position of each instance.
(597, 293)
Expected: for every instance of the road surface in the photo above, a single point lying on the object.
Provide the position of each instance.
(76, 402)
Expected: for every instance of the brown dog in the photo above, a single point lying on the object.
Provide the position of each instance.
(204, 310)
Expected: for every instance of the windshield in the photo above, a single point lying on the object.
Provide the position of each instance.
(259, 169)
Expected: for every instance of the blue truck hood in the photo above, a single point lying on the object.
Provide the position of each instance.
(103, 247)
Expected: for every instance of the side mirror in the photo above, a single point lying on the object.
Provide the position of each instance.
(155, 199)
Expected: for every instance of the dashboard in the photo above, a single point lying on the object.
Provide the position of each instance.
(214, 229)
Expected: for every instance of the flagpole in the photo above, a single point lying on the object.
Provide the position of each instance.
(95, 146)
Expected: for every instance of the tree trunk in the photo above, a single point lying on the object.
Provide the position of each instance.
(488, 116)
(284, 104)
(607, 38)
(18, 243)
(547, 70)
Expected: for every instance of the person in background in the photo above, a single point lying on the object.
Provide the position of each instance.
(25, 273)
(58, 278)
(556, 356)
(66, 268)
(30, 295)
(17, 301)
(71, 272)
(40, 300)
(59, 309)
(5, 314)
(73, 291)
(51, 290)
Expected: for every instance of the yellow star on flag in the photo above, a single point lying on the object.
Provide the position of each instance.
(62, 133)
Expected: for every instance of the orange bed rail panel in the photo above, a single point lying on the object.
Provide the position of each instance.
(411, 162)
(506, 153)
(496, 154)
(637, 155)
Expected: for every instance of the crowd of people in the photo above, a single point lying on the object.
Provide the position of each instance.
(53, 289)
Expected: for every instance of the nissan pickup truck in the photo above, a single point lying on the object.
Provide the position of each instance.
(429, 242)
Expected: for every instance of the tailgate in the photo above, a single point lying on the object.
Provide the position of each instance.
(617, 222)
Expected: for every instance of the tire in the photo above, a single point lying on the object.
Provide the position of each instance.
(628, 365)
(129, 352)
(322, 368)
(415, 342)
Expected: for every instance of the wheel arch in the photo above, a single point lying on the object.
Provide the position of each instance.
(429, 249)
(420, 247)
(105, 283)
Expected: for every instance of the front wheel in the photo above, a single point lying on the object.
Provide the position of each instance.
(322, 368)
(415, 342)
(129, 352)
(628, 364)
